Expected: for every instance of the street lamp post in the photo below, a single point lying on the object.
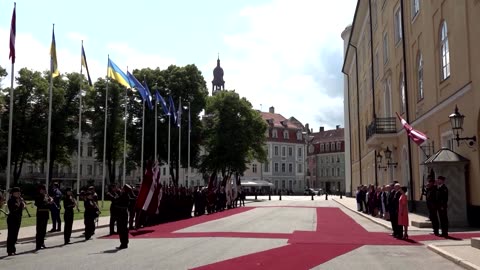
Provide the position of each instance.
(456, 120)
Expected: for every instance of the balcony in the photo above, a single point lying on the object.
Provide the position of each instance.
(380, 130)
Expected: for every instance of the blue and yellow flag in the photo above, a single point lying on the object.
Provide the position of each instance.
(117, 74)
(53, 57)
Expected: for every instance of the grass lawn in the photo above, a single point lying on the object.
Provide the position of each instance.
(31, 221)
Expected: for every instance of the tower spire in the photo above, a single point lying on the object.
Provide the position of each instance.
(218, 83)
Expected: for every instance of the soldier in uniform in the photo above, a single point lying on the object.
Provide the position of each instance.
(431, 198)
(131, 208)
(55, 207)
(14, 219)
(113, 195)
(43, 202)
(91, 213)
(122, 205)
(69, 203)
(442, 200)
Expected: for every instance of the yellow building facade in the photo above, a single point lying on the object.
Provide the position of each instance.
(419, 59)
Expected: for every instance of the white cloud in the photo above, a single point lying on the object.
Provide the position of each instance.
(289, 57)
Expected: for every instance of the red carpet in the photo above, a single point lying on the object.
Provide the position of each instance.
(298, 256)
(336, 234)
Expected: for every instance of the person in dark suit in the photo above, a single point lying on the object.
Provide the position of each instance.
(91, 213)
(43, 202)
(442, 200)
(432, 205)
(69, 203)
(55, 207)
(113, 195)
(122, 205)
(14, 219)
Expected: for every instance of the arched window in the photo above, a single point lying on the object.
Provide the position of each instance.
(403, 97)
(387, 98)
(444, 51)
(420, 77)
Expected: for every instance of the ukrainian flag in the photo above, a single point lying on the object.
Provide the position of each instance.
(53, 57)
(117, 74)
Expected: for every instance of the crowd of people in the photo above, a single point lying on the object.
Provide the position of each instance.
(390, 203)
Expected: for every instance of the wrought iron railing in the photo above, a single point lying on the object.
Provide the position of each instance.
(381, 125)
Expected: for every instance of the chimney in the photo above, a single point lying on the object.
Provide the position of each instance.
(311, 130)
(271, 110)
(322, 129)
(338, 127)
(307, 127)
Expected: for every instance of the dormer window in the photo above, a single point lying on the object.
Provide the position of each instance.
(332, 146)
(327, 147)
(285, 134)
(274, 133)
(322, 147)
(339, 145)
(299, 135)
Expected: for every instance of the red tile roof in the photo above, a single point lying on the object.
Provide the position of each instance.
(277, 121)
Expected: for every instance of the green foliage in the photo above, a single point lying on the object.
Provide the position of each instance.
(234, 135)
(95, 112)
(186, 83)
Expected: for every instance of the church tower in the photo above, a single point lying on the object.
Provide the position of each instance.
(218, 84)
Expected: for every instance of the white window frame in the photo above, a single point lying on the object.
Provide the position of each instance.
(339, 145)
(254, 168)
(266, 167)
(385, 47)
(290, 167)
(286, 135)
(403, 94)
(290, 151)
(332, 146)
(284, 167)
(275, 167)
(415, 8)
(444, 52)
(420, 86)
(284, 151)
(275, 151)
(300, 168)
(322, 147)
(397, 25)
(274, 133)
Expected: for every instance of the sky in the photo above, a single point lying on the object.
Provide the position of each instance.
(281, 53)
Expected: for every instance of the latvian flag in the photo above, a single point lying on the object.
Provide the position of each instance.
(150, 191)
(417, 136)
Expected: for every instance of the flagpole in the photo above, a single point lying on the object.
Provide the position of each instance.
(179, 120)
(143, 140)
(10, 117)
(156, 120)
(189, 131)
(105, 136)
(49, 133)
(79, 154)
(168, 158)
(125, 140)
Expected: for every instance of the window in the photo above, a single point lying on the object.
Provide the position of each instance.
(321, 160)
(322, 147)
(254, 168)
(290, 151)
(415, 8)
(276, 167)
(267, 149)
(338, 172)
(284, 151)
(420, 77)
(299, 135)
(447, 140)
(338, 159)
(290, 167)
(326, 172)
(300, 168)
(275, 150)
(403, 98)
(300, 152)
(385, 48)
(81, 169)
(387, 97)
(327, 147)
(332, 146)
(284, 167)
(164, 171)
(333, 171)
(339, 146)
(398, 25)
(321, 172)
(89, 169)
(444, 51)
(266, 167)
(374, 14)
(90, 151)
(375, 66)
(274, 133)
(285, 134)
(333, 160)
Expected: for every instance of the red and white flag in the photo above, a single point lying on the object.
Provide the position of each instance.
(13, 31)
(152, 201)
(145, 187)
(417, 136)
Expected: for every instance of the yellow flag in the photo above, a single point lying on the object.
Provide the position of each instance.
(53, 57)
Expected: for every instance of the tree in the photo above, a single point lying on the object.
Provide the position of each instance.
(29, 120)
(234, 135)
(186, 83)
(95, 113)
(65, 102)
